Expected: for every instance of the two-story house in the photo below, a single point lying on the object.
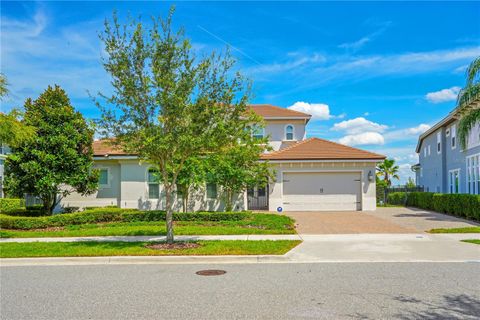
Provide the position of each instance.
(444, 166)
(311, 174)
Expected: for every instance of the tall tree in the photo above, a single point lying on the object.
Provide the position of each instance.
(12, 130)
(237, 167)
(388, 170)
(58, 160)
(468, 102)
(169, 106)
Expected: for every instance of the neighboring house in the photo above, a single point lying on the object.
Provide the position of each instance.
(4, 150)
(444, 166)
(311, 174)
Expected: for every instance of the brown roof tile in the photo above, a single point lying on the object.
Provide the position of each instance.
(269, 111)
(319, 149)
(104, 147)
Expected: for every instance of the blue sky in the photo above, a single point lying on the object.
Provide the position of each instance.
(375, 75)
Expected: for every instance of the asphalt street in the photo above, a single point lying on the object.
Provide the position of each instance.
(246, 291)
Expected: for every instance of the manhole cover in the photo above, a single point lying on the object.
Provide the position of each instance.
(210, 272)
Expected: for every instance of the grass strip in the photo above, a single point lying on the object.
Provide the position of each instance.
(457, 230)
(95, 249)
(474, 241)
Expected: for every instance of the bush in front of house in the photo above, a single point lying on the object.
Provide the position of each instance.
(381, 186)
(102, 215)
(11, 204)
(460, 205)
(397, 198)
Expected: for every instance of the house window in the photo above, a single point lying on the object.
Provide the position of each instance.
(211, 191)
(439, 143)
(153, 184)
(103, 178)
(473, 174)
(429, 149)
(421, 172)
(424, 152)
(454, 136)
(258, 132)
(289, 132)
(454, 181)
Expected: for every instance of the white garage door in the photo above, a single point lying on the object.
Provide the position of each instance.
(321, 191)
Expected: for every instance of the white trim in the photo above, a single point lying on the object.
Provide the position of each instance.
(450, 185)
(325, 161)
(453, 130)
(285, 132)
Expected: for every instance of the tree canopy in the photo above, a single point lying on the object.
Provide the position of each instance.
(388, 170)
(58, 160)
(169, 105)
(468, 102)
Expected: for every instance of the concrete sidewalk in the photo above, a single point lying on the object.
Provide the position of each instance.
(255, 237)
(346, 248)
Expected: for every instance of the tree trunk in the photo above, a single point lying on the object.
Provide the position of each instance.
(228, 200)
(169, 214)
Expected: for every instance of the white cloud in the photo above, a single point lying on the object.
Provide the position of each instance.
(443, 95)
(359, 125)
(365, 138)
(319, 111)
(421, 128)
(406, 134)
(356, 44)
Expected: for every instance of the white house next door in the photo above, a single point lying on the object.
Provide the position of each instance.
(322, 191)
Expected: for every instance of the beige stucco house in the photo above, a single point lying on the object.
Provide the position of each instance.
(311, 174)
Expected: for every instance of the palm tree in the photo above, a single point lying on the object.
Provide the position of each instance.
(388, 170)
(468, 102)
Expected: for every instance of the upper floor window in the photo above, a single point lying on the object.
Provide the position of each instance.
(153, 184)
(424, 152)
(103, 178)
(258, 132)
(439, 142)
(429, 149)
(454, 136)
(289, 132)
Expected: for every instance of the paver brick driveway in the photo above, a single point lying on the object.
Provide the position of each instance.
(383, 220)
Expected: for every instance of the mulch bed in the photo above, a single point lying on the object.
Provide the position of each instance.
(176, 245)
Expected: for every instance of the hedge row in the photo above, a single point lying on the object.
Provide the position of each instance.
(111, 215)
(460, 205)
(397, 198)
(9, 204)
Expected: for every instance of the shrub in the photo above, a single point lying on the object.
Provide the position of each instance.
(460, 205)
(380, 189)
(70, 209)
(112, 215)
(8, 204)
(397, 198)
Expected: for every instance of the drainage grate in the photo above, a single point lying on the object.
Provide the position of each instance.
(210, 272)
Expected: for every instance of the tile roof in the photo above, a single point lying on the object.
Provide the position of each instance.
(270, 111)
(320, 149)
(104, 147)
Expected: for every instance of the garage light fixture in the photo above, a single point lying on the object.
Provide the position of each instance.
(370, 176)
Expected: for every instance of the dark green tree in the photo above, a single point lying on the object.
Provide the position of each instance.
(58, 160)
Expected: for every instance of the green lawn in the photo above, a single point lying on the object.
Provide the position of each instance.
(472, 241)
(457, 230)
(93, 249)
(258, 224)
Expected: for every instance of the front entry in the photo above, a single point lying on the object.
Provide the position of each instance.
(257, 198)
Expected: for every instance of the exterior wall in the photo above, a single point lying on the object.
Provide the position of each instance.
(368, 189)
(128, 188)
(275, 129)
(432, 173)
(435, 168)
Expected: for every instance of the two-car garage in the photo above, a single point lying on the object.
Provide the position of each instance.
(321, 191)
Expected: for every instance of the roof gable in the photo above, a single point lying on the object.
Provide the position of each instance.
(320, 149)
